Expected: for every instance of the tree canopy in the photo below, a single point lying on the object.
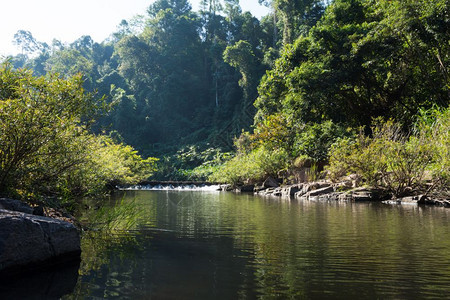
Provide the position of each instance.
(179, 78)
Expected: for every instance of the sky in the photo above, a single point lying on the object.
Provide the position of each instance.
(67, 20)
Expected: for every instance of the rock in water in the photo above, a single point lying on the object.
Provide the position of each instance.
(245, 189)
(33, 240)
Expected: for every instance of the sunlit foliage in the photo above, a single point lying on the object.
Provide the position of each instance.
(46, 148)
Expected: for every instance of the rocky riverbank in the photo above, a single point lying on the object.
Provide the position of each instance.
(346, 191)
(29, 240)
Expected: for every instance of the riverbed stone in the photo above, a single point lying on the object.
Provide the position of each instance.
(277, 192)
(270, 182)
(27, 240)
(409, 200)
(362, 196)
(345, 197)
(290, 190)
(433, 201)
(321, 191)
(245, 189)
(314, 186)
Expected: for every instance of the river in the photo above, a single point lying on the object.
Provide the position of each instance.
(211, 245)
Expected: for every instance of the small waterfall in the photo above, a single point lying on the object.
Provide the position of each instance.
(171, 187)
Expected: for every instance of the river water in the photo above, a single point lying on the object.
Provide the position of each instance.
(211, 245)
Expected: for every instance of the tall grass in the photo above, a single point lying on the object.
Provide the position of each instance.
(120, 216)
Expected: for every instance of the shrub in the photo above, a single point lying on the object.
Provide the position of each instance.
(314, 140)
(252, 167)
(403, 164)
(433, 129)
(43, 121)
(46, 149)
(106, 162)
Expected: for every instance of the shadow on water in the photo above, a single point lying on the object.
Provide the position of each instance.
(51, 283)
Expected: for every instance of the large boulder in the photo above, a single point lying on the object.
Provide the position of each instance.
(15, 205)
(245, 189)
(270, 182)
(27, 240)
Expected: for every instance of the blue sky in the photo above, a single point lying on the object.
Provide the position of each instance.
(67, 20)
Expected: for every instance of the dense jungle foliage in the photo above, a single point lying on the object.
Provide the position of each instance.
(220, 95)
(47, 151)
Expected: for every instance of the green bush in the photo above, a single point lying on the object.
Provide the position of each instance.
(252, 167)
(106, 162)
(403, 164)
(314, 140)
(278, 147)
(433, 129)
(46, 149)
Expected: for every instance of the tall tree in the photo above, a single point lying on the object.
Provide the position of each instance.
(163, 67)
(26, 42)
(294, 17)
(362, 61)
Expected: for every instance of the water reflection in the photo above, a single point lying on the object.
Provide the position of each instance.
(203, 245)
(50, 283)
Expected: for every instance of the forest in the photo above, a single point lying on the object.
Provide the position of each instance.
(345, 86)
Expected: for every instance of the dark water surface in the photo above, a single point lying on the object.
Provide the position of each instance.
(210, 245)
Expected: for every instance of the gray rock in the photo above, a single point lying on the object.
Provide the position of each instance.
(321, 191)
(291, 190)
(307, 187)
(362, 196)
(258, 189)
(414, 200)
(27, 239)
(409, 200)
(245, 189)
(265, 192)
(422, 199)
(270, 182)
(343, 186)
(333, 196)
(345, 197)
(15, 205)
(391, 202)
(277, 192)
(299, 194)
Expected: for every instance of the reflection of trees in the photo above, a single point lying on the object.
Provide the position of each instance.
(111, 229)
(231, 246)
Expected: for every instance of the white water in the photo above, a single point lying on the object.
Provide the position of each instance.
(170, 187)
